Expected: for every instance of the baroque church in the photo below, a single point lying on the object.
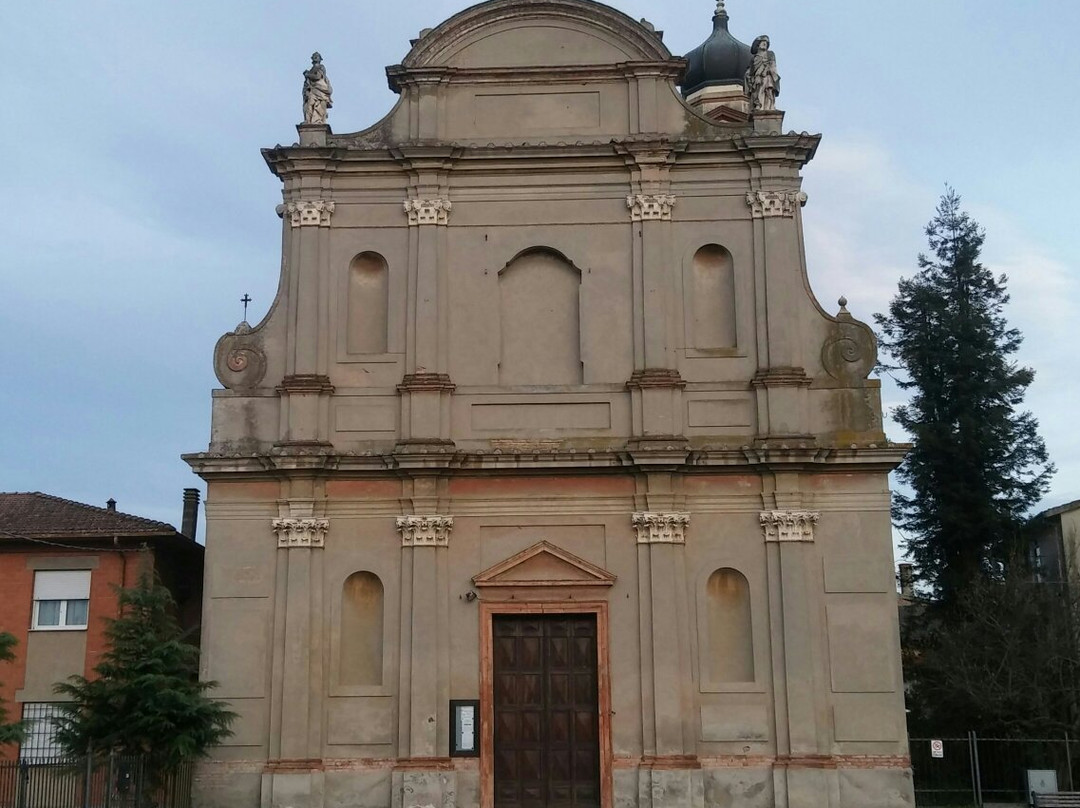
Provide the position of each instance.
(546, 480)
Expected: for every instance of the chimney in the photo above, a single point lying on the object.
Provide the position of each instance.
(907, 580)
(190, 518)
(110, 504)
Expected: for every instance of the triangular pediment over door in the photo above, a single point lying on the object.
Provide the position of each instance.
(543, 564)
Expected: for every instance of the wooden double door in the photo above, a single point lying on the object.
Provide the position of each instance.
(546, 711)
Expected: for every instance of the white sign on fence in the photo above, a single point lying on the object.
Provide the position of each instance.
(937, 748)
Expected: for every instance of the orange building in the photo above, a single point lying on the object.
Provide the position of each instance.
(61, 563)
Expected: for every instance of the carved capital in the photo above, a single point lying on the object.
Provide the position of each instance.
(307, 212)
(661, 528)
(788, 525)
(300, 532)
(765, 204)
(425, 531)
(650, 207)
(428, 211)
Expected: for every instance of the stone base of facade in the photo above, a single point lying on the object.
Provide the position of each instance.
(738, 783)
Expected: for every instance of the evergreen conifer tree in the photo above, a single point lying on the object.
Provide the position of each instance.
(10, 731)
(144, 697)
(978, 464)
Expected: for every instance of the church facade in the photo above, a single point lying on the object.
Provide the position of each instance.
(546, 480)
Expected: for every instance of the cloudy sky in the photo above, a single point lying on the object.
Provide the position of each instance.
(137, 210)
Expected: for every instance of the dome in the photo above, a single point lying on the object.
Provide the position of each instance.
(720, 59)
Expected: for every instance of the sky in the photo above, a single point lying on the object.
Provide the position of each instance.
(136, 208)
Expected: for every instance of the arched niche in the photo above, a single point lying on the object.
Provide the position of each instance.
(730, 627)
(539, 313)
(361, 657)
(368, 304)
(712, 299)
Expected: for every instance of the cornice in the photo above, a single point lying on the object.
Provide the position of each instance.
(763, 455)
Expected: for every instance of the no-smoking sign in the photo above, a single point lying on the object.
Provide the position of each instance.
(937, 748)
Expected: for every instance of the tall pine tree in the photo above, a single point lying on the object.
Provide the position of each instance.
(978, 464)
(145, 697)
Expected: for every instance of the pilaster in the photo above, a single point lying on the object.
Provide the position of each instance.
(423, 776)
(294, 772)
(791, 563)
(426, 387)
(655, 386)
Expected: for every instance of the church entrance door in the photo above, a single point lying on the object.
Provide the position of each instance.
(546, 711)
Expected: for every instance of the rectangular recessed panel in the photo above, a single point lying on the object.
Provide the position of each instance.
(374, 416)
(538, 113)
(719, 412)
(862, 651)
(553, 418)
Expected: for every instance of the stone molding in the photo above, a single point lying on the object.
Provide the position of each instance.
(301, 532)
(307, 212)
(650, 207)
(305, 383)
(781, 526)
(655, 377)
(425, 531)
(435, 210)
(426, 382)
(767, 204)
(661, 528)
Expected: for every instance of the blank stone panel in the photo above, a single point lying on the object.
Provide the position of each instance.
(862, 654)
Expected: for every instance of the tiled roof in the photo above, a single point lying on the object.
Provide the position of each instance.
(37, 515)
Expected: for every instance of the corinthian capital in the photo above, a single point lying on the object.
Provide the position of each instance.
(425, 531)
(428, 211)
(765, 204)
(788, 525)
(661, 528)
(300, 532)
(307, 212)
(646, 207)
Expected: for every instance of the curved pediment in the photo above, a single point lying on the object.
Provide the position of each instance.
(544, 564)
(509, 33)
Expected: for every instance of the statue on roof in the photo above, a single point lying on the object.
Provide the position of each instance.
(762, 82)
(317, 91)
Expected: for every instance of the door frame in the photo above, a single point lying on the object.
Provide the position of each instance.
(488, 611)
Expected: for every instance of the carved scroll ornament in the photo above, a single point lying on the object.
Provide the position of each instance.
(239, 360)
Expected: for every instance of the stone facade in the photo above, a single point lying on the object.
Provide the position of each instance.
(544, 345)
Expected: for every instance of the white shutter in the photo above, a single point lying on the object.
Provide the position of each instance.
(62, 585)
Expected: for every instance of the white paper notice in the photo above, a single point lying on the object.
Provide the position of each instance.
(466, 740)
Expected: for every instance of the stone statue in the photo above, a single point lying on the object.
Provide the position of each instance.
(762, 82)
(317, 91)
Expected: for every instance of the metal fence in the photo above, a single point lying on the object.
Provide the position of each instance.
(112, 781)
(975, 771)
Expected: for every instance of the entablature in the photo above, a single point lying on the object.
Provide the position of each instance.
(762, 456)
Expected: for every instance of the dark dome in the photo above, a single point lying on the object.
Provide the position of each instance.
(720, 59)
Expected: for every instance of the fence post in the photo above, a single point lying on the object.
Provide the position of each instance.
(976, 772)
(1068, 761)
(88, 781)
(110, 774)
(23, 783)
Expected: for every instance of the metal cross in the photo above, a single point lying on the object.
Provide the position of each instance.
(245, 300)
